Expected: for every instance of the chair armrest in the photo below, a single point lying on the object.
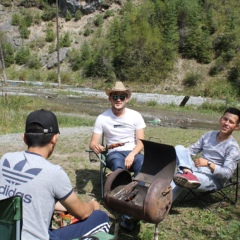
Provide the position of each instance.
(93, 157)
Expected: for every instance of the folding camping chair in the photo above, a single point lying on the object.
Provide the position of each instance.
(11, 218)
(93, 157)
(229, 192)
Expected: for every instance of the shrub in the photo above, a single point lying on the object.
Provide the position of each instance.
(65, 41)
(98, 21)
(22, 55)
(50, 35)
(24, 32)
(217, 68)
(28, 19)
(8, 53)
(49, 13)
(151, 103)
(16, 19)
(52, 48)
(191, 79)
(68, 16)
(108, 14)
(66, 78)
(78, 15)
(87, 32)
(34, 62)
(37, 18)
(52, 76)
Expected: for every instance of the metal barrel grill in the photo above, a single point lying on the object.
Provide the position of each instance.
(148, 196)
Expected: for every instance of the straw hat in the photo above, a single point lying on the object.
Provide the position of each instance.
(119, 87)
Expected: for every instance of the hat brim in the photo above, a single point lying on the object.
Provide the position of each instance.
(108, 91)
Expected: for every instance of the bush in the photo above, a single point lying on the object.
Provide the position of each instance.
(34, 62)
(49, 13)
(50, 35)
(16, 19)
(87, 32)
(52, 48)
(52, 76)
(28, 19)
(78, 15)
(37, 18)
(108, 14)
(217, 68)
(8, 53)
(68, 16)
(65, 41)
(191, 79)
(22, 55)
(98, 21)
(24, 32)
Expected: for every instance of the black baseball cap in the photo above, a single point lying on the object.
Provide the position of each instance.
(45, 118)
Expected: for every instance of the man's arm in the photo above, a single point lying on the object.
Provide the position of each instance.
(94, 143)
(77, 208)
(202, 162)
(137, 149)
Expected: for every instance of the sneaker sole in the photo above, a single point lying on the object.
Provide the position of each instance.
(183, 182)
(124, 225)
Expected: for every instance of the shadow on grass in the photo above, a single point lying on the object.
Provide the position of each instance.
(86, 177)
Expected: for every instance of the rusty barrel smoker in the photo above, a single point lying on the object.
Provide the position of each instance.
(147, 197)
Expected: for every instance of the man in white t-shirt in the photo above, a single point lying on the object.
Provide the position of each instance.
(123, 127)
(41, 184)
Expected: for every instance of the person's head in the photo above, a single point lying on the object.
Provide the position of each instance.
(230, 120)
(118, 96)
(40, 129)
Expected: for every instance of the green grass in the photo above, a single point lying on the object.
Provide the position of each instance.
(184, 221)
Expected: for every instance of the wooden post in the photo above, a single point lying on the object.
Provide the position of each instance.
(58, 61)
(3, 64)
(184, 101)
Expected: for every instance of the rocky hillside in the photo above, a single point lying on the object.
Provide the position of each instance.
(77, 30)
(36, 38)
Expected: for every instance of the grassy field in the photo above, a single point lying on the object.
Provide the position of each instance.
(184, 221)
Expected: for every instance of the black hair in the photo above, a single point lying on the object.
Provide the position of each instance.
(234, 111)
(34, 139)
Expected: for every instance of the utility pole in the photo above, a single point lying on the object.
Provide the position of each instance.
(58, 61)
(3, 64)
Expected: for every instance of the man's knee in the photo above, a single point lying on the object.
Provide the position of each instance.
(114, 162)
(179, 148)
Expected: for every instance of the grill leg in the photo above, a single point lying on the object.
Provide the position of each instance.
(156, 232)
(116, 227)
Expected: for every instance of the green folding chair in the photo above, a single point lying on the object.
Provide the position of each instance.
(11, 218)
(101, 158)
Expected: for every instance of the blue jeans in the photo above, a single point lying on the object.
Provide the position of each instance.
(204, 175)
(116, 160)
(97, 221)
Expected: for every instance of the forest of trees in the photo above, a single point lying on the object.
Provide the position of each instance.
(146, 39)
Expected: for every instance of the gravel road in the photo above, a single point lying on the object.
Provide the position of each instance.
(39, 89)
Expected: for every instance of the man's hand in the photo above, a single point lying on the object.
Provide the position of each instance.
(201, 162)
(95, 205)
(129, 160)
(98, 148)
